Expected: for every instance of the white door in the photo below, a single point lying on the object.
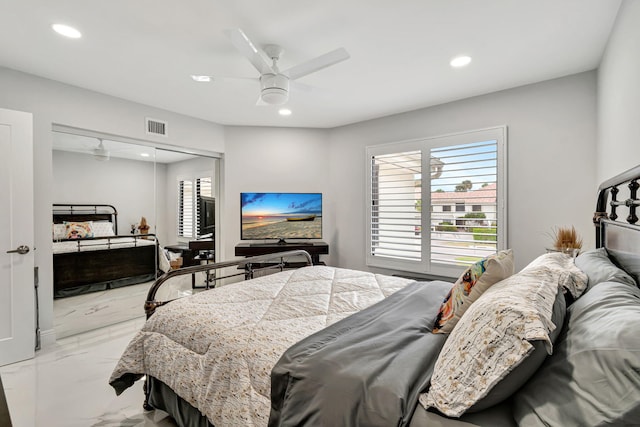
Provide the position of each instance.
(17, 296)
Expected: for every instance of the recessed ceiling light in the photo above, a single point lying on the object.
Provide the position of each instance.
(66, 31)
(460, 61)
(201, 79)
(284, 112)
(145, 154)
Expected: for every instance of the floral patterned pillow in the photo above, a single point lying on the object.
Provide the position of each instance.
(78, 230)
(470, 285)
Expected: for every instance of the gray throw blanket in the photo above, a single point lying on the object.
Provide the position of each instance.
(365, 370)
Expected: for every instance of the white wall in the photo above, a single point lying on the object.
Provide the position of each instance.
(551, 159)
(162, 192)
(618, 146)
(56, 103)
(128, 185)
(265, 159)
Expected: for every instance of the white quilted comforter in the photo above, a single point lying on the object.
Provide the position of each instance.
(216, 349)
(115, 242)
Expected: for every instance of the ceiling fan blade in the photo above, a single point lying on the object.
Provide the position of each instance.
(301, 87)
(242, 42)
(252, 80)
(316, 64)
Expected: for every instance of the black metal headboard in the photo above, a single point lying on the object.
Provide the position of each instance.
(620, 238)
(85, 212)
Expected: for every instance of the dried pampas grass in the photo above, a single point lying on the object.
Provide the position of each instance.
(566, 239)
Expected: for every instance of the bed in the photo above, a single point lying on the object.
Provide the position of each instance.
(89, 255)
(553, 344)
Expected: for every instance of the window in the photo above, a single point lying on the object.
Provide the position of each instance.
(463, 169)
(190, 191)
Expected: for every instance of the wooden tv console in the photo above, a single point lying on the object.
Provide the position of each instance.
(315, 249)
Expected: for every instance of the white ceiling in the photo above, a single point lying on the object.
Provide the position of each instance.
(146, 50)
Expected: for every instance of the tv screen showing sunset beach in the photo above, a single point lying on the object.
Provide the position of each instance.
(281, 216)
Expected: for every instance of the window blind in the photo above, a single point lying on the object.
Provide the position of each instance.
(437, 205)
(186, 211)
(394, 205)
(468, 182)
(188, 206)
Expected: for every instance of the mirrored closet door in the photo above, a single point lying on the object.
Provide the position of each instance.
(118, 205)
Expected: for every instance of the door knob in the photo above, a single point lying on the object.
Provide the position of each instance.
(22, 249)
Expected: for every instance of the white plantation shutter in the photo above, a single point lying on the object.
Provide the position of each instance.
(188, 216)
(186, 209)
(394, 218)
(437, 205)
(464, 235)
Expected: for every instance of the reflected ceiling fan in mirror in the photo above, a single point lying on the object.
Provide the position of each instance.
(100, 153)
(274, 84)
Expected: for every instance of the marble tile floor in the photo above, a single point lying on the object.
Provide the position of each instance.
(66, 385)
(82, 313)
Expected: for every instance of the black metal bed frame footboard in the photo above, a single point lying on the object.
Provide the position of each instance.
(607, 209)
(246, 264)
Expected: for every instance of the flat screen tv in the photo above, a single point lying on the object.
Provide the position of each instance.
(280, 216)
(206, 216)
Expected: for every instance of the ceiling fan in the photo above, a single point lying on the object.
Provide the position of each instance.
(100, 153)
(274, 84)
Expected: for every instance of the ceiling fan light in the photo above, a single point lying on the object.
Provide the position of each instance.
(67, 31)
(460, 61)
(274, 95)
(275, 88)
(201, 78)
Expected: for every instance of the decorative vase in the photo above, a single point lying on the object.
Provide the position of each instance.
(572, 252)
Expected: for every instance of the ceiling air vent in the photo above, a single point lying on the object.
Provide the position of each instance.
(156, 127)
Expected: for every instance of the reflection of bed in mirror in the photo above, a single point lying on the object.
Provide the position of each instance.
(89, 255)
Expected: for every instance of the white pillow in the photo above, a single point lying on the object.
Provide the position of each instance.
(102, 229)
(564, 264)
(164, 260)
(59, 231)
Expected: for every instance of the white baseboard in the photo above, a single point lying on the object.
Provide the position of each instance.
(47, 338)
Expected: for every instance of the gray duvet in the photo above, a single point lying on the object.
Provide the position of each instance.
(365, 370)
